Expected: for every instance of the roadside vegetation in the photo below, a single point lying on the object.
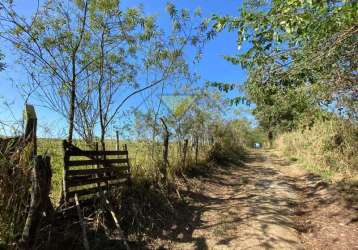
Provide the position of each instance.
(86, 60)
(14, 185)
(230, 142)
(328, 148)
(301, 59)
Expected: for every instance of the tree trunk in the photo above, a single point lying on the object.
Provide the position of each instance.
(185, 150)
(270, 137)
(103, 144)
(196, 149)
(165, 151)
(102, 116)
(40, 201)
(71, 112)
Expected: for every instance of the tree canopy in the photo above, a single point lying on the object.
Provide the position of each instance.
(300, 56)
(87, 58)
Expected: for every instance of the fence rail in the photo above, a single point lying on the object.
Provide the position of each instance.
(100, 170)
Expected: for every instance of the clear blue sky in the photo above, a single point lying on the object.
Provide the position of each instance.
(212, 67)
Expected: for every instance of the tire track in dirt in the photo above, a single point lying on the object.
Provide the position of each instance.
(246, 207)
(265, 203)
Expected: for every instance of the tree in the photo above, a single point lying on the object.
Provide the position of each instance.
(81, 55)
(190, 118)
(49, 48)
(158, 55)
(299, 55)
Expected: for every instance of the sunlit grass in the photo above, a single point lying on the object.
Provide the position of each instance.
(144, 159)
(328, 149)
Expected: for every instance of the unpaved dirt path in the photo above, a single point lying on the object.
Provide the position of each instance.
(260, 205)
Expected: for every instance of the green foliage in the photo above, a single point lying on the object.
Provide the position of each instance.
(188, 118)
(100, 50)
(224, 87)
(233, 138)
(283, 109)
(299, 56)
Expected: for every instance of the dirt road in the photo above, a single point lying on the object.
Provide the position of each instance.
(266, 203)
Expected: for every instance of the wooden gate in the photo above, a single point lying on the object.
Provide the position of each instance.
(88, 172)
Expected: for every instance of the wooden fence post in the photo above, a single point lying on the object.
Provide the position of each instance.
(129, 180)
(40, 201)
(82, 223)
(30, 120)
(34, 213)
(117, 140)
(97, 163)
(66, 159)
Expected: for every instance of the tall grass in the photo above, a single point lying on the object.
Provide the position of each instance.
(144, 156)
(145, 160)
(328, 148)
(15, 168)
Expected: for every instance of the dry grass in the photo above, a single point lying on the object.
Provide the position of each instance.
(15, 168)
(329, 148)
(145, 158)
(145, 194)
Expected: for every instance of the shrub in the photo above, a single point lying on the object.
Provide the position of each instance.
(231, 142)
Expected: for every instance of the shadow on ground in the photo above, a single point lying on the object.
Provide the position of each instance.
(234, 209)
(213, 207)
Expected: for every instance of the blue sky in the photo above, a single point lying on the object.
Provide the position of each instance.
(212, 67)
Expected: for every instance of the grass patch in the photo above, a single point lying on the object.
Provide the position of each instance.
(326, 174)
(144, 160)
(328, 148)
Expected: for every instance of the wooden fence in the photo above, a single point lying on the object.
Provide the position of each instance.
(89, 172)
(39, 206)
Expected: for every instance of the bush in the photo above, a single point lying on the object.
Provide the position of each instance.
(231, 142)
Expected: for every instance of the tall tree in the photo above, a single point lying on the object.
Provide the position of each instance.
(49, 47)
(87, 58)
(303, 51)
(147, 57)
